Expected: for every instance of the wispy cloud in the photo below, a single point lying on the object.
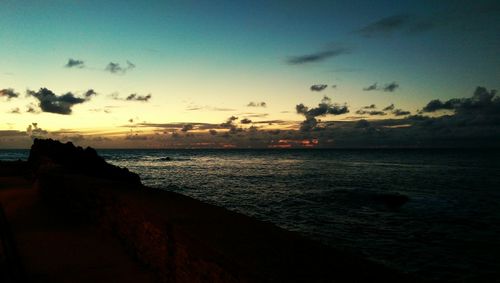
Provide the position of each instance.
(136, 97)
(116, 68)
(318, 56)
(208, 108)
(371, 87)
(390, 87)
(257, 104)
(385, 25)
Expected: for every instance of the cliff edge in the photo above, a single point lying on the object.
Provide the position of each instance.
(152, 234)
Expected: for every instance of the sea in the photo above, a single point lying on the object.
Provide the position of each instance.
(447, 230)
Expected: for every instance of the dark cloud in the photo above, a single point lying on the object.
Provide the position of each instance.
(136, 97)
(31, 109)
(389, 108)
(400, 112)
(50, 102)
(8, 93)
(116, 68)
(229, 122)
(318, 57)
(257, 104)
(254, 115)
(74, 63)
(403, 23)
(391, 87)
(385, 25)
(324, 108)
(371, 106)
(482, 107)
(245, 121)
(89, 93)
(436, 105)
(371, 87)
(371, 112)
(318, 87)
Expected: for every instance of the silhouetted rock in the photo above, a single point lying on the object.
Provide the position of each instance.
(48, 152)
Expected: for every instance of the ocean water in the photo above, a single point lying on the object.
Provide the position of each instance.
(449, 230)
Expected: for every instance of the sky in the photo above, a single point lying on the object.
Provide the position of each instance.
(265, 74)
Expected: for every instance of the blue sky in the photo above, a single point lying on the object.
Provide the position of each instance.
(225, 54)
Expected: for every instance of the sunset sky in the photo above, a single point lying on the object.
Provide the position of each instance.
(293, 73)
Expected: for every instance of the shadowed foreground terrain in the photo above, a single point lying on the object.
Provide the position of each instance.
(68, 216)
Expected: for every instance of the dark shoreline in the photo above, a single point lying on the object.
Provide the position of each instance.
(174, 237)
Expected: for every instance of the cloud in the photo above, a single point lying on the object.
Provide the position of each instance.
(245, 121)
(229, 122)
(483, 105)
(8, 93)
(257, 104)
(389, 108)
(176, 126)
(30, 108)
(324, 108)
(371, 106)
(50, 102)
(254, 115)
(400, 112)
(385, 25)
(405, 23)
(74, 63)
(136, 97)
(116, 68)
(371, 112)
(89, 93)
(391, 87)
(318, 87)
(318, 57)
(371, 87)
(209, 108)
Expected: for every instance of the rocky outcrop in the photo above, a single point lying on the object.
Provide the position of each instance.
(48, 152)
